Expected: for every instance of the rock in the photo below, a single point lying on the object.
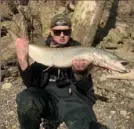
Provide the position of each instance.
(131, 94)
(132, 34)
(61, 10)
(123, 113)
(127, 117)
(132, 116)
(14, 126)
(123, 127)
(123, 90)
(113, 112)
(6, 86)
(13, 71)
(131, 104)
(3, 127)
(3, 31)
(110, 123)
(103, 78)
(122, 31)
(5, 74)
(132, 83)
(115, 36)
(11, 113)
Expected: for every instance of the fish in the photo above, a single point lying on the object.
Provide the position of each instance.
(63, 57)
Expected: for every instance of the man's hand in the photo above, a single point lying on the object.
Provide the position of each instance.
(80, 65)
(22, 50)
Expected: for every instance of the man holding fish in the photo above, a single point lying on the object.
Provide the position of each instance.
(54, 95)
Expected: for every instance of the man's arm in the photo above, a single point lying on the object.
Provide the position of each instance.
(22, 50)
(30, 73)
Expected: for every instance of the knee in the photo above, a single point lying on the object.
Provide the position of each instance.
(25, 100)
(23, 96)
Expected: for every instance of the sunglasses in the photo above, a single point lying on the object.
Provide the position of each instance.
(65, 32)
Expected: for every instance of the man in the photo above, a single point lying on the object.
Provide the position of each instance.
(54, 95)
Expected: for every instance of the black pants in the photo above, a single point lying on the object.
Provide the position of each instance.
(56, 105)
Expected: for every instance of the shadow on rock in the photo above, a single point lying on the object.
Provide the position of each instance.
(102, 32)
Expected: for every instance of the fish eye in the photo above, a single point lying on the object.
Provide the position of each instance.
(124, 63)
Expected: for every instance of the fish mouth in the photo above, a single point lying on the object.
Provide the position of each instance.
(120, 66)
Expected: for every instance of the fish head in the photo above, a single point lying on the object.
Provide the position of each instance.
(110, 61)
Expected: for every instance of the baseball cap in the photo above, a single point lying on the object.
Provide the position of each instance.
(61, 20)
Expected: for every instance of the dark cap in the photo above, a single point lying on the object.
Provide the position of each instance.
(61, 20)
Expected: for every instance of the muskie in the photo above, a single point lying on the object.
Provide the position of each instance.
(63, 57)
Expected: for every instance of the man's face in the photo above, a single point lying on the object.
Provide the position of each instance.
(61, 34)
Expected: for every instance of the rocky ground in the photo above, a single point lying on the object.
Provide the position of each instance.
(114, 106)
